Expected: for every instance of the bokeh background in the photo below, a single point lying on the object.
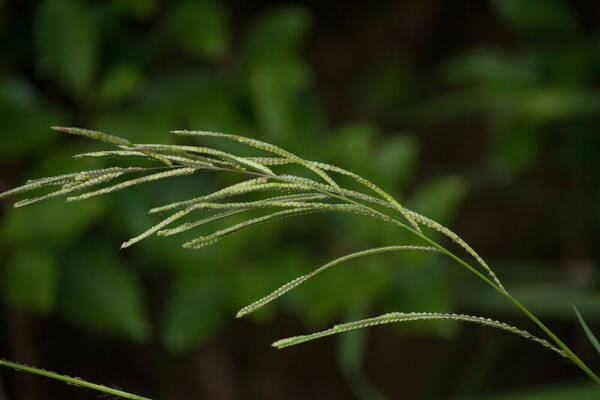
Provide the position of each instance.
(482, 115)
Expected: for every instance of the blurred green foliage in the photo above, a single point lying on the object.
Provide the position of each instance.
(266, 91)
(139, 68)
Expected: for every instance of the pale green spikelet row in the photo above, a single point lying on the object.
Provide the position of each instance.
(177, 156)
(328, 167)
(415, 216)
(85, 180)
(46, 180)
(235, 189)
(191, 225)
(371, 186)
(298, 281)
(67, 188)
(442, 229)
(172, 218)
(279, 202)
(271, 161)
(90, 181)
(310, 184)
(110, 153)
(105, 137)
(404, 317)
(266, 147)
(203, 241)
(132, 182)
(250, 186)
(296, 208)
(186, 150)
(232, 160)
(37, 184)
(65, 179)
(259, 204)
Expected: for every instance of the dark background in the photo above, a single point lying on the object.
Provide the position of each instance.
(481, 115)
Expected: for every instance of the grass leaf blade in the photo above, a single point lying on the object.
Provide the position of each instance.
(587, 330)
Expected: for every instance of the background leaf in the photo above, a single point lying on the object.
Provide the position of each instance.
(67, 38)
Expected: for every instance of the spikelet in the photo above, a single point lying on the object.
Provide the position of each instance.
(203, 241)
(298, 281)
(186, 160)
(105, 137)
(132, 182)
(373, 187)
(280, 201)
(240, 163)
(65, 179)
(69, 188)
(266, 147)
(310, 184)
(110, 153)
(447, 232)
(296, 208)
(36, 184)
(404, 317)
(271, 161)
(172, 218)
(186, 152)
(52, 179)
(191, 225)
(233, 189)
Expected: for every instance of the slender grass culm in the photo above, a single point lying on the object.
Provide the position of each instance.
(292, 195)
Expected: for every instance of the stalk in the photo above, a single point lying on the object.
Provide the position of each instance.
(71, 381)
(576, 360)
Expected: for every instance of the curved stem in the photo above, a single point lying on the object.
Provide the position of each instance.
(443, 250)
(71, 381)
(506, 294)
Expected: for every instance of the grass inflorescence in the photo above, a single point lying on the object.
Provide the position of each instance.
(288, 196)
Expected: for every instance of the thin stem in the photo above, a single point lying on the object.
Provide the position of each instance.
(72, 381)
(506, 294)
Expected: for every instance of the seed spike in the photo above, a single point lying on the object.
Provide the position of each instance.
(404, 317)
(266, 147)
(298, 281)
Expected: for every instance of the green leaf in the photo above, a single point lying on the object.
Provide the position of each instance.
(193, 314)
(494, 69)
(352, 145)
(30, 280)
(439, 199)
(587, 330)
(199, 27)
(396, 159)
(541, 17)
(276, 35)
(100, 295)
(121, 81)
(140, 9)
(25, 119)
(276, 77)
(276, 91)
(67, 42)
